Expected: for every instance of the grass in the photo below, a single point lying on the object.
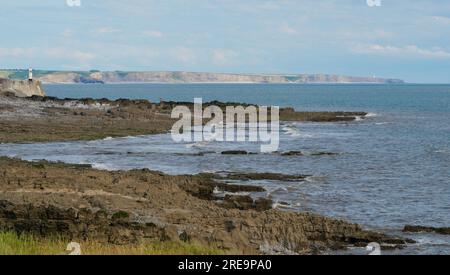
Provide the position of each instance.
(26, 244)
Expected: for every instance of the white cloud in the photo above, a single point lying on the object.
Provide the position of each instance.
(364, 34)
(252, 6)
(184, 54)
(17, 52)
(285, 28)
(152, 33)
(408, 51)
(68, 53)
(224, 56)
(107, 30)
(77, 57)
(442, 19)
(67, 33)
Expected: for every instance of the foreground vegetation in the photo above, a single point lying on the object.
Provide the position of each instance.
(27, 244)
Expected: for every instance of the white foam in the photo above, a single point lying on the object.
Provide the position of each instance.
(277, 190)
(295, 132)
(218, 192)
(103, 166)
(430, 240)
(320, 179)
(200, 144)
(371, 115)
(279, 205)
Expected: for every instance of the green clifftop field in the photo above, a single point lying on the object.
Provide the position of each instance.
(95, 76)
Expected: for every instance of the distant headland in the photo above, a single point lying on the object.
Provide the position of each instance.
(21, 88)
(95, 76)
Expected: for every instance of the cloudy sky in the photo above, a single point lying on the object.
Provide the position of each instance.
(408, 39)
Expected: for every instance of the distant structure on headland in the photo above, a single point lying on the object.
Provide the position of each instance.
(22, 88)
(30, 74)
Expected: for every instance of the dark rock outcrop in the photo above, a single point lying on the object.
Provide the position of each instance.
(426, 229)
(292, 153)
(81, 224)
(134, 206)
(236, 152)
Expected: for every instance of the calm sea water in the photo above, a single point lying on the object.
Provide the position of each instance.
(391, 169)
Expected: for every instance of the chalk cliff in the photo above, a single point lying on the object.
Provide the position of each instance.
(21, 88)
(195, 77)
(188, 77)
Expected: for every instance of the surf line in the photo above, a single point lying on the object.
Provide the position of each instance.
(239, 121)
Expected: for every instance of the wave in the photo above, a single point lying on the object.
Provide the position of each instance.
(277, 190)
(368, 115)
(430, 239)
(316, 179)
(284, 205)
(200, 144)
(371, 115)
(104, 166)
(291, 131)
(442, 151)
(295, 132)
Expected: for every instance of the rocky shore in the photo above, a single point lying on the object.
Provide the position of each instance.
(138, 206)
(426, 229)
(44, 119)
(127, 207)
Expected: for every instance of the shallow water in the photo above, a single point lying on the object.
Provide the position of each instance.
(390, 169)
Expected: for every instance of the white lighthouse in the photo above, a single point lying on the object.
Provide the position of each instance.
(30, 74)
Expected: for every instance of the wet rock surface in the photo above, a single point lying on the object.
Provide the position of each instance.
(235, 153)
(318, 154)
(301, 154)
(292, 153)
(259, 176)
(43, 119)
(130, 206)
(289, 114)
(427, 229)
(246, 203)
(127, 207)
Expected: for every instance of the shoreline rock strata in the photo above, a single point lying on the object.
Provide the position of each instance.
(45, 119)
(127, 207)
(426, 229)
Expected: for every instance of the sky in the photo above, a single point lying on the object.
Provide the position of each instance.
(406, 39)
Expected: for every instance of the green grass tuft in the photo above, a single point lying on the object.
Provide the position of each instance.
(26, 244)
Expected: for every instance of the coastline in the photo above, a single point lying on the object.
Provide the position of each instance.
(96, 76)
(126, 208)
(123, 208)
(232, 83)
(45, 119)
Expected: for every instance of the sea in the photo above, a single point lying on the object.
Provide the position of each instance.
(384, 171)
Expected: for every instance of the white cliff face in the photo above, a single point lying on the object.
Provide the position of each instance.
(21, 88)
(193, 77)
